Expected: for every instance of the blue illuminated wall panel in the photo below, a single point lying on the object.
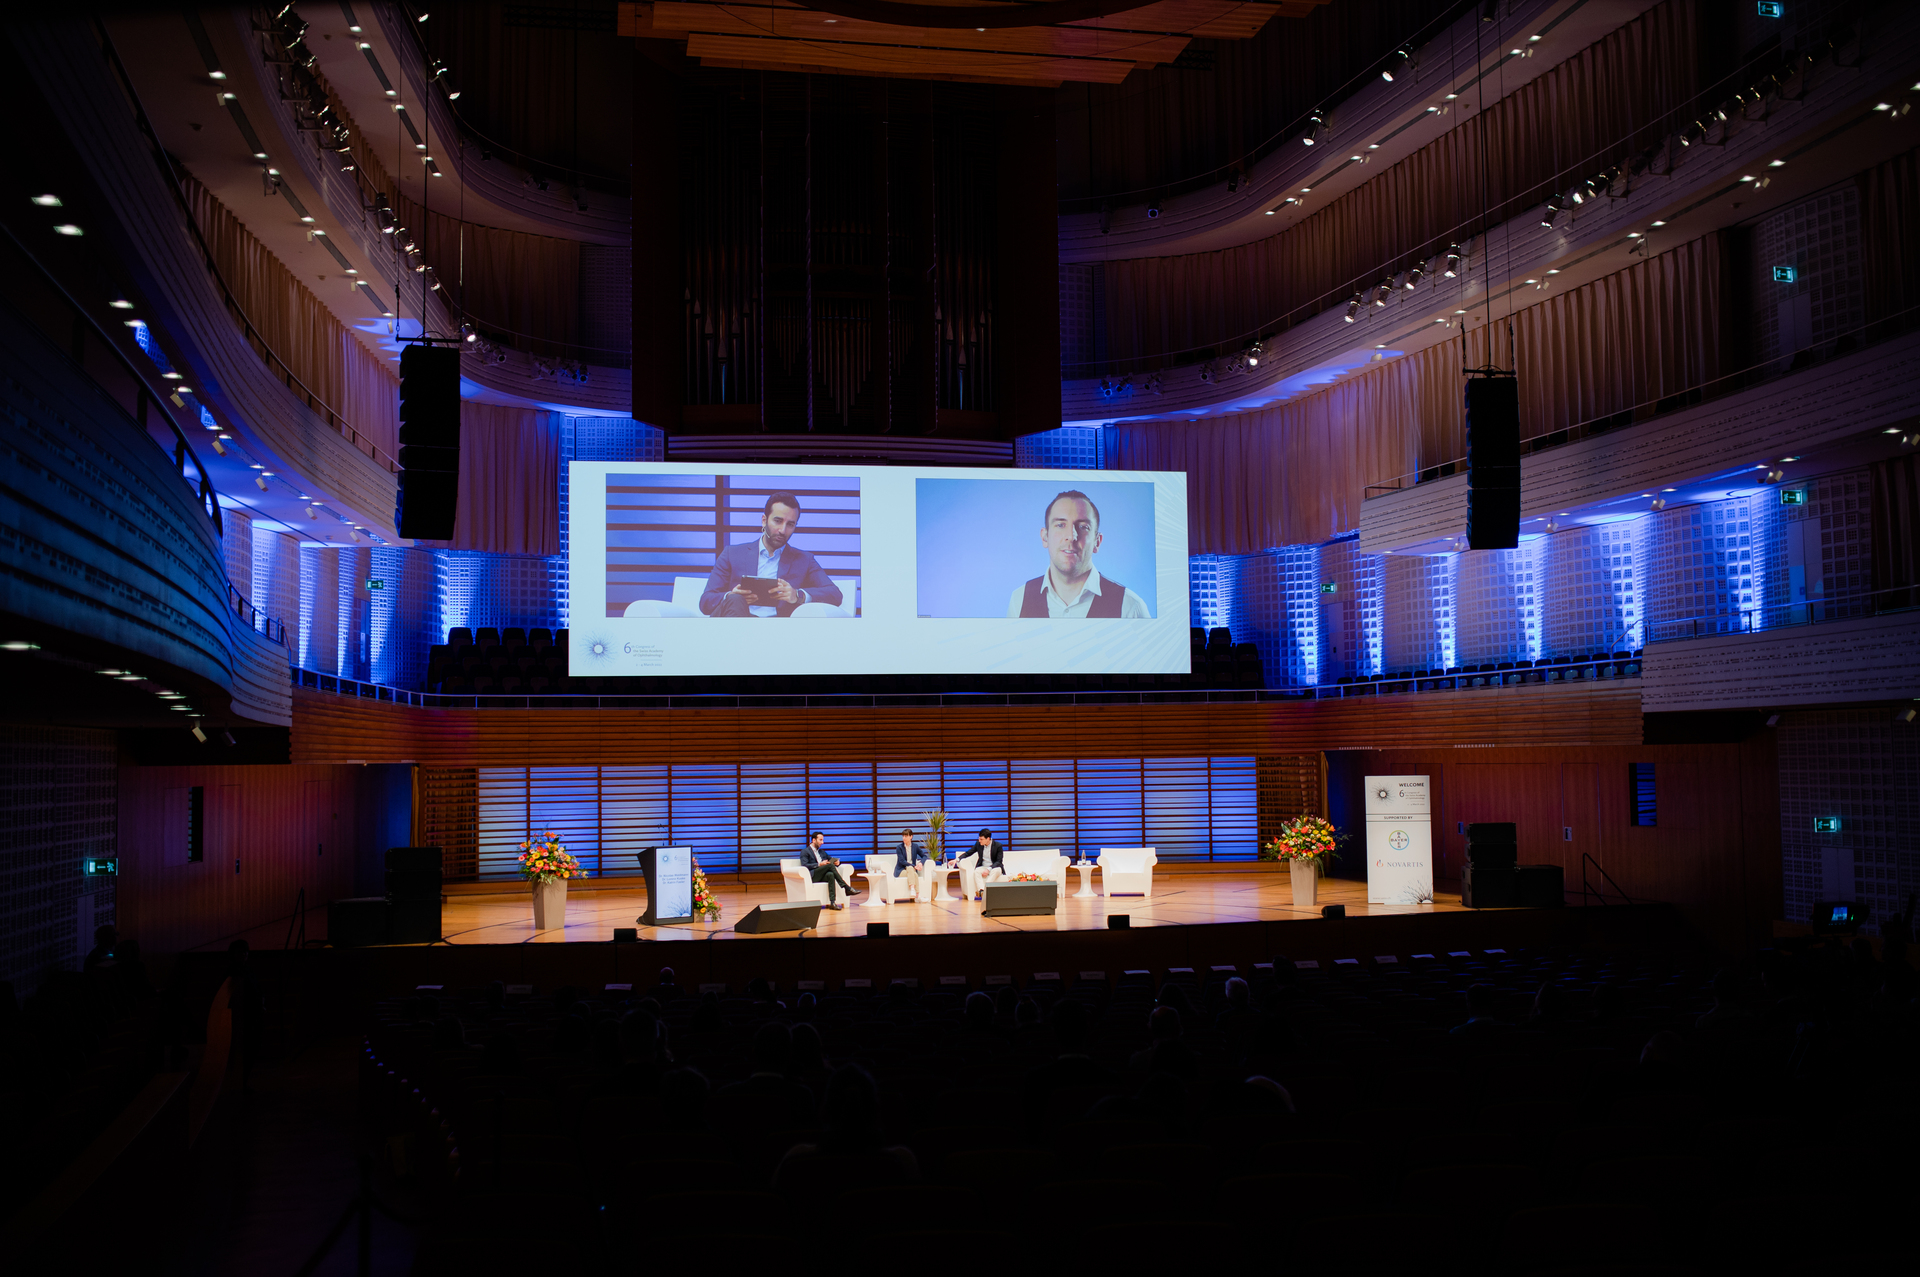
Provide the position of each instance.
(403, 614)
(1496, 607)
(1351, 620)
(1274, 601)
(236, 550)
(320, 609)
(1597, 583)
(1701, 566)
(1205, 574)
(476, 589)
(1067, 448)
(276, 584)
(1419, 597)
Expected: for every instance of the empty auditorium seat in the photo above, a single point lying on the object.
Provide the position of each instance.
(486, 636)
(513, 636)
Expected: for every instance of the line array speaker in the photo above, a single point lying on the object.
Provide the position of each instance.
(429, 442)
(1493, 463)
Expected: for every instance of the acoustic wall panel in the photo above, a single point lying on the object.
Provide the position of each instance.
(1352, 617)
(1496, 604)
(1864, 768)
(1065, 448)
(1595, 582)
(1419, 610)
(1701, 570)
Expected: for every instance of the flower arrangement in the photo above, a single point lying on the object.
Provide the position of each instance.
(1027, 878)
(703, 901)
(543, 859)
(1304, 838)
(936, 834)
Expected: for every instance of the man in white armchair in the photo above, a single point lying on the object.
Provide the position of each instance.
(908, 864)
(824, 868)
(988, 857)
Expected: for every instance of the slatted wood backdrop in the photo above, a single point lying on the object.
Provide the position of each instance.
(328, 728)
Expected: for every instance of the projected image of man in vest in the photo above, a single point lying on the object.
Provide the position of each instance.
(1072, 586)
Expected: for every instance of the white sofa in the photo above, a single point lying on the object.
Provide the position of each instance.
(1127, 871)
(800, 884)
(656, 608)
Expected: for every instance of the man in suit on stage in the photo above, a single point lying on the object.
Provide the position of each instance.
(824, 868)
(798, 577)
(1071, 586)
(987, 857)
(908, 861)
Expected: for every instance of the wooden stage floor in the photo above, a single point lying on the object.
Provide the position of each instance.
(1179, 900)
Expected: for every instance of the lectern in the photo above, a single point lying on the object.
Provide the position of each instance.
(669, 873)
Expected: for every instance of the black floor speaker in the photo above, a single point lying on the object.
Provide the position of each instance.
(1488, 888)
(1540, 886)
(791, 915)
(361, 921)
(413, 921)
(1493, 463)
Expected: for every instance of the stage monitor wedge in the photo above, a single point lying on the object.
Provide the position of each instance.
(790, 915)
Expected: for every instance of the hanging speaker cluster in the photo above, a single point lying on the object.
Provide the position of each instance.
(429, 442)
(1493, 461)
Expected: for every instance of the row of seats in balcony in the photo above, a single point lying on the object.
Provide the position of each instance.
(510, 637)
(1548, 669)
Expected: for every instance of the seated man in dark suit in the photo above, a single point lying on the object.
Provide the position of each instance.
(824, 868)
(798, 577)
(908, 860)
(988, 861)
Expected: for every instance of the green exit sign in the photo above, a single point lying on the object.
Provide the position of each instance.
(1793, 496)
(375, 583)
(1784, 274)
(1329, 587)
(1772, 9)
(1826, 824)
(100, 866)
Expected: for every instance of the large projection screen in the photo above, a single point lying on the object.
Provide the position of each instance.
(880, 570)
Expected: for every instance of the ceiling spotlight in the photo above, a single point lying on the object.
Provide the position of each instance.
(1400, 60)
(121, 303)
(1657, 222)
(468, 334)
(47, 201)
(1453, 262)
(1153, 208)
(68, 228)
(260, 483)
(1415, 275)
(1380, 293)
(1316, 126)
(127, 676)
(1353, 308)
(18, 645)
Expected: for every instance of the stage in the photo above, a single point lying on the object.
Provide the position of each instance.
(1180, 899)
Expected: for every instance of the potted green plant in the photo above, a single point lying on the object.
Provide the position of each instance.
(548, 865)
(1306, 843)
(936, 835)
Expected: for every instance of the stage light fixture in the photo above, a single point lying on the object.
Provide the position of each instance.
(1353, 308)
(1453, 262)
(1399, 61)
(1415, 275)
(1380, 293)
(18, 645)
(1316, 127)
(1153, 209)
(47, 201)
(69, 229)
(260, 483)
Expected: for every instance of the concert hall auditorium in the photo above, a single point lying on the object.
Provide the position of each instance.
(1471, 824)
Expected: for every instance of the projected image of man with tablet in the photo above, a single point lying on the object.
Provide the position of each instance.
(767, 576)
(1072, 586)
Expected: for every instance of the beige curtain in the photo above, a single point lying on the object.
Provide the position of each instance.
(1570, 122)
(509, 481)
(323, 353)
(1297, 473)
(1890, 234)
(515, 284)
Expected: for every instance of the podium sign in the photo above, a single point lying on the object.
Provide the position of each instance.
(1399, 840)
(669, 873)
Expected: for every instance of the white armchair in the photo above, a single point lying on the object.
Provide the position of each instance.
(1127, 870)
(687, 591)
(881, 884)
(800, 884)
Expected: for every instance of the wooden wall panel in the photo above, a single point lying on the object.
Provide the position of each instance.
(339, 729)
(287, 827)
(1715, 851)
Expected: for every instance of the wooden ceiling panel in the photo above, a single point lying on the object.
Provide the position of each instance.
(870, 59)
(813, 28)
(783, 35)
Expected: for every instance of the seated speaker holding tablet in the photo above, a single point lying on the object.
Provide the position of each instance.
(768, 576)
